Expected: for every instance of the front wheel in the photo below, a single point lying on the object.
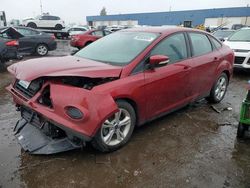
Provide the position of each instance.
(117, 129)
(219, 89)
(32, 25)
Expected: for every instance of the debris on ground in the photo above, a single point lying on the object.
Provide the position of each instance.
(219, 111)
(137, 172)
(215, 109)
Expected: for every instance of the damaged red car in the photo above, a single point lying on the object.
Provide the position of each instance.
(121, 81)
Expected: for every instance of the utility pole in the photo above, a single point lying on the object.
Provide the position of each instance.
(41, 6)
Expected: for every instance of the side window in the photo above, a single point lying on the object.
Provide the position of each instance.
(174, 47)
(200, 43)
(216, 43)
(27, 32)
(97, 33)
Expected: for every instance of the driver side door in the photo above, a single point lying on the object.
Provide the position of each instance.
(168, 87)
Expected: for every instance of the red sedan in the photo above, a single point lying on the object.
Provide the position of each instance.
(121, 81)
(81, 40)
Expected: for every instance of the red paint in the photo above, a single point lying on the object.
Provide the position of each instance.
(153, 91)
(81, 40)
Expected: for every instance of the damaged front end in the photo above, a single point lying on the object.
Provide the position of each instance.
(59, 113)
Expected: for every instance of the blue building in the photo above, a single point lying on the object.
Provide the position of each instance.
(237, 15)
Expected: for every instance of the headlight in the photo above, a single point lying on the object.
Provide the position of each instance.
(74, 112)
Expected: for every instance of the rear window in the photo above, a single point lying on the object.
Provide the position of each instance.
(200, 44)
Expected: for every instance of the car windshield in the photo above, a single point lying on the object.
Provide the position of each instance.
(241, 35)
(223, 34)
(119, 48)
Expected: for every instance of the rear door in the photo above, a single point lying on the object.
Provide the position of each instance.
(205, 62)
(27, 44)
(167, 87)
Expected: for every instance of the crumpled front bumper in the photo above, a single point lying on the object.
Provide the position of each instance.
(96, 107)
(34, 141)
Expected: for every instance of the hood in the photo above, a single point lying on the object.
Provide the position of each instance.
(238, 45)
(62, 66)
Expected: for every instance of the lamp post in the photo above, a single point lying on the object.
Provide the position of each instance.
(41, 6)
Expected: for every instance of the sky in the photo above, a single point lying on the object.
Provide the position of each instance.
(75, 11)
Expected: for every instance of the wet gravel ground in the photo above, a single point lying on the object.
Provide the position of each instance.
(193, 147)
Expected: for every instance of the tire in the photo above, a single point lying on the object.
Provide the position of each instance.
(87, 43)
(42, 49)
(32, 25)
(112, 135)
(58, 27)
(219, 89)
(2, 65)
(241, 131)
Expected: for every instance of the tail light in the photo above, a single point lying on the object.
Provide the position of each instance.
(75, 38)
(12, 43)
(53, 37)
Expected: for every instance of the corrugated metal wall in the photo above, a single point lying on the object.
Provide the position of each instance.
(176, 17)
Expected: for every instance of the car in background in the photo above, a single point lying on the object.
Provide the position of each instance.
(239, 42)
(120, 81)
(223, 35)
(45, 21)
(238, 26)
(32, 41)
(77, 30)
(8, 47)
(81, 40)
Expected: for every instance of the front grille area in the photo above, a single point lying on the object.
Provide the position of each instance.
(34, 87)
(239, 60)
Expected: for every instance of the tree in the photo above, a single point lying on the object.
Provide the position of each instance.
(103, 12)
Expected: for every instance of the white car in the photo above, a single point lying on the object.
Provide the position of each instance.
(45, 22)
(77, 30)
(239, 42)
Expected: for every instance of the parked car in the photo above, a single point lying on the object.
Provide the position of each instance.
(32, 41)
(118, 82)
(45, 22)
(239, 42)
(77, 30)
(238, 26)
(8, 46)
(223, 35)
(81, 40)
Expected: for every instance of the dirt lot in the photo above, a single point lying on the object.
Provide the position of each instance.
(193, 147)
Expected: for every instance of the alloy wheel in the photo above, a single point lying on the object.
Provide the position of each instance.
(42, 50)
(221, 87)
(115, 129)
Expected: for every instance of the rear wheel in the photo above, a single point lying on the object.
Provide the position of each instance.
(116, 130)
(42, 50)
(219, 89)
(32, 25)
(59, 27)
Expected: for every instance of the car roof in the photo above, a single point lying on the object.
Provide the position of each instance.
(160, 30)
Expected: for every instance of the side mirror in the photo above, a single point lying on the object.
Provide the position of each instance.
(158, 60)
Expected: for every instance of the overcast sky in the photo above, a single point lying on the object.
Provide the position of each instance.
(76, 10)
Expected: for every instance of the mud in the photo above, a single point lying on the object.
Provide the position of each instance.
(193, 147)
